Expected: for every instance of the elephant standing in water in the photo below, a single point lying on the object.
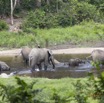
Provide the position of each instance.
(4, 66)
(39, 55)
(25, 54)
(97, 56)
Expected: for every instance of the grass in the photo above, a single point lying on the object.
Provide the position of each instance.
(85, 32)
(64, 88)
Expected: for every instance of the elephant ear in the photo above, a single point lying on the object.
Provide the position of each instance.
(49, 53)
(49, 56)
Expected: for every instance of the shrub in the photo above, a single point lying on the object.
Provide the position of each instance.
(23, 93)
(39, 19)
(86, 11)
(3, 25)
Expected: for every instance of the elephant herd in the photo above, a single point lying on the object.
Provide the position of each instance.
(35, 57)
(97, 56)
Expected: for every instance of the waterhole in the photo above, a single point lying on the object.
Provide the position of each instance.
(61, 70)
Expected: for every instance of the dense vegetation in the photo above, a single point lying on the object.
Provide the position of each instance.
(44, 90)
(54, 13)
(85, 32)
(53, 22)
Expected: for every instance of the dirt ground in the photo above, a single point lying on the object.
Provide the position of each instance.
(81, 45)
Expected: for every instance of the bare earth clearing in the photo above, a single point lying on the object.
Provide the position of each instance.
(58, 51)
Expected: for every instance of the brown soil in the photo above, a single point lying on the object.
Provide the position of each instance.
(81, 45)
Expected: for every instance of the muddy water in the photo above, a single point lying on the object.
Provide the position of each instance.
(62, 69)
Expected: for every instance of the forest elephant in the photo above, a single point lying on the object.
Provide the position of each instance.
(4, 66)
(97, 55)
(75, 62)
(38, 56)
(25, 54)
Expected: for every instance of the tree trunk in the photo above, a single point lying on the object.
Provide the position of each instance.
(48, 2)
(38, 3)
(12, 12)
(12, 9)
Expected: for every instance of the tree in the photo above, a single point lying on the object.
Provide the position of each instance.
(13, 5)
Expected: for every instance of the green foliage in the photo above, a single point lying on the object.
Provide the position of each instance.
(98, 83)
(84, 12)
(62, 14)
(64, 90)
(85, 32)
(23, 93)
(82, 94)
(3, 25)
(4, 8)
(39, 19)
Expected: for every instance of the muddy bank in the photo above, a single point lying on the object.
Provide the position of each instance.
(58, 51)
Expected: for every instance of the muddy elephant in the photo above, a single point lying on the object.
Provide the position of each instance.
(4, 66)
(75, 62)
(25, 53)
(97, 55)
(38, 56)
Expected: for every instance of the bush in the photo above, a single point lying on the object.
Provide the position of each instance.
(3, 25)
(86, 11)
(23, 93)
(39, 19)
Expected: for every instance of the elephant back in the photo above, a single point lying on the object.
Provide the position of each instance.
(97, 55)
(25, 52)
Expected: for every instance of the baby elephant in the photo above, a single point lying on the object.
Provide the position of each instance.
(75, 62)
(39, 55)
(4, 66)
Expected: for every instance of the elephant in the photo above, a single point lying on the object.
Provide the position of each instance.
(4, 66)
(75, 62)
(38, 56)
(97, 55)
(25, 54)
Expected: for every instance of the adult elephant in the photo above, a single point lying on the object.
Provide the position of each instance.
(39, 55)
(4, 66)
(25, 53)
(97, 56)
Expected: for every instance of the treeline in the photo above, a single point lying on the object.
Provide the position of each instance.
(54, 13)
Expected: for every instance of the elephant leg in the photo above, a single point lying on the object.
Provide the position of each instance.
(33, 68)
(39, 66)
(26, 62)
(45, 66)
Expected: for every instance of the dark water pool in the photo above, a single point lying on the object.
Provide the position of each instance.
(62, 69)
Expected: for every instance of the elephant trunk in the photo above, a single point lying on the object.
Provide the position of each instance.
(53, 63)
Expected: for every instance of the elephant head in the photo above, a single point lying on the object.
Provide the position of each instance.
(4, 66)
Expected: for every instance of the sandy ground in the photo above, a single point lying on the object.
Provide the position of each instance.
(58, 51)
